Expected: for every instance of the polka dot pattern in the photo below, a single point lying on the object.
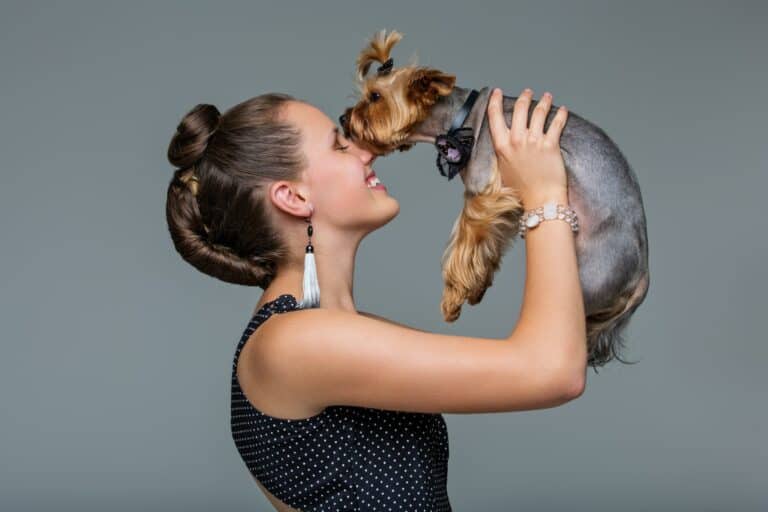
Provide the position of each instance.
(345, 458)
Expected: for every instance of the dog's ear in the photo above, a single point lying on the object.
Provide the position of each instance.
(427, 85)
(378, 50)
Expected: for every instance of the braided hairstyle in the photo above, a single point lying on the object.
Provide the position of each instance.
(217, 206)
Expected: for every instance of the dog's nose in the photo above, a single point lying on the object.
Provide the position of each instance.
(344, 119)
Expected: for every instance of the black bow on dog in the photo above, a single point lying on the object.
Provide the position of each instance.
(385, 68)
(455, 147)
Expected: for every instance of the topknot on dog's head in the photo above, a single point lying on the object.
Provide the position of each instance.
(378, 50)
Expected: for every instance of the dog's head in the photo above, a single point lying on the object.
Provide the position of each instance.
(394, 100)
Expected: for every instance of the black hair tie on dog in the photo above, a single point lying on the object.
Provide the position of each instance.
(385, 68)
(455, 147)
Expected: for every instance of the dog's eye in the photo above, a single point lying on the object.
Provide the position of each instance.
(374, 96)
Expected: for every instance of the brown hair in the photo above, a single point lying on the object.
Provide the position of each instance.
(216, 208)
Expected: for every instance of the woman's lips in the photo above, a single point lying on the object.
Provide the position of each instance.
(373, 177)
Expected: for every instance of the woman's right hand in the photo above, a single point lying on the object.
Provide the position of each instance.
(529, 160)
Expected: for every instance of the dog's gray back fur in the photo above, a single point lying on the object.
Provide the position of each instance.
(612, 246)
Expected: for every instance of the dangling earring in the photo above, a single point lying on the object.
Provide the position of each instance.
(310, 287)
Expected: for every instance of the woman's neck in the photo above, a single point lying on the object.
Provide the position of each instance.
(335, 275)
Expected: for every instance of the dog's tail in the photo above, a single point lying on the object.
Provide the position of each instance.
(604, 328)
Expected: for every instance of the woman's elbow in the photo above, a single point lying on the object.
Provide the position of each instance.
(567, 390)
(573, 376)
(575, 388)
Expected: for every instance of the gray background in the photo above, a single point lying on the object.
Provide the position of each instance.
(116, 355)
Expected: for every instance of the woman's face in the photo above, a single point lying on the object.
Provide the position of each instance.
(336, 174)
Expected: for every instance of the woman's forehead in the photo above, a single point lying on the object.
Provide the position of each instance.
(313, 121)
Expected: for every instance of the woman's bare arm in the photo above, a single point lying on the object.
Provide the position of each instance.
(529, 161)
(377, 317)
(552, 320)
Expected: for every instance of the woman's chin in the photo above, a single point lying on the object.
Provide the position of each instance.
(388, 208)
(395, 208)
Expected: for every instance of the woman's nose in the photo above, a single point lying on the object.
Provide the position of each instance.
(366, 156)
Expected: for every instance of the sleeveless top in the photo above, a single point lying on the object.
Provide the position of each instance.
(345, 458)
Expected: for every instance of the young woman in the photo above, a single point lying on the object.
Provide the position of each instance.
(334, 408)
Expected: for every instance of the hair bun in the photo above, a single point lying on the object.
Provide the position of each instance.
(191, 138)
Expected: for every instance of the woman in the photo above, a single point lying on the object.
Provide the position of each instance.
(334, 408)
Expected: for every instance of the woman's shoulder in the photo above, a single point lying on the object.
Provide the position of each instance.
(299, 323)
(301, 319)
(305, 321)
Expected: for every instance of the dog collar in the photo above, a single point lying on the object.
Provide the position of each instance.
(455, 147)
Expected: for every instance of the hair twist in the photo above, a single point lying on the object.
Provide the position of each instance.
(218, 215)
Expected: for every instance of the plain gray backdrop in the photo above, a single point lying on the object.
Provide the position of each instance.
(116, 354)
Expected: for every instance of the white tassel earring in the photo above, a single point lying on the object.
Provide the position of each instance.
(310, 286)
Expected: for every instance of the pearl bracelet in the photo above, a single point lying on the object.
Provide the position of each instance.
(549, 211)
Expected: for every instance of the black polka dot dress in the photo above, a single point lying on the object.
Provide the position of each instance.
(345, 458)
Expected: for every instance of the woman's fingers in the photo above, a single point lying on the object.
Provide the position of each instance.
(556, 126)
(496, 122)
(502, 135)
(520, 115)
(536, 129)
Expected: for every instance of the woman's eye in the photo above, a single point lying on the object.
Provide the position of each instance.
(339, 146)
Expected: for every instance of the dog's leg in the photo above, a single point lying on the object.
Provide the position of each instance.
(479, 237)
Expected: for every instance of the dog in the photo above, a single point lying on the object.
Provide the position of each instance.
(400, 107)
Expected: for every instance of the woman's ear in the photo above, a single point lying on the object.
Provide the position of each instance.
(290, 197)
(428, 85)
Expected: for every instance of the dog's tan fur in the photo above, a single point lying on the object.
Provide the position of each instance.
(487, 224)
(407, 93)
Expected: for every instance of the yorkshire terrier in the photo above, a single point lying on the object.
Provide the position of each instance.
(399, 107)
